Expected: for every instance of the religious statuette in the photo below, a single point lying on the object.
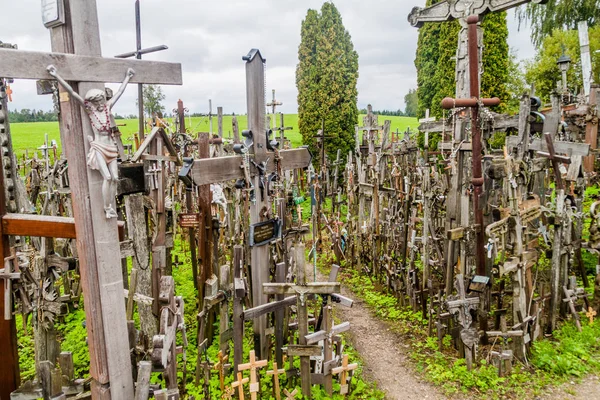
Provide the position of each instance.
(103, 149)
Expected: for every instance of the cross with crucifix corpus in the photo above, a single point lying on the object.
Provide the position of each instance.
(77, 54)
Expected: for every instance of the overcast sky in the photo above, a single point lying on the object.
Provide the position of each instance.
(210, 38)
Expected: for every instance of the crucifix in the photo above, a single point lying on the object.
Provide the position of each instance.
(252, 175)
(462, 305)
(81, 65)
(302, 290)
(220, 366)
(138, 55)
(290, 395)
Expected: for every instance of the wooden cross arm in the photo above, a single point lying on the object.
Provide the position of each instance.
(301, 350)
(449, 10)
(20, 64)
(309, 288)
(469, 301)
(221, 169)
(449, 103)
(320, 335)
(575, 149)
(562, 159)
(38, 225)
(256, 312)
(505, 334)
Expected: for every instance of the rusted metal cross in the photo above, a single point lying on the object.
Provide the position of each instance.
(555, 159)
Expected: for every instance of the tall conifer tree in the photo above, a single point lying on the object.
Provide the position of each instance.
(326, 78)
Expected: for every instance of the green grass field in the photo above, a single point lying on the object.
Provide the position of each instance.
(29, 136)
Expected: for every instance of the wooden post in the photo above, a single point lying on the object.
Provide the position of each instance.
(238, 307)
(259, 255)
(591, 131)
(302, 318)
(97, 242)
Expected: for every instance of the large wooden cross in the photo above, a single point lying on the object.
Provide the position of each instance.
(76, 54)
(212, 170)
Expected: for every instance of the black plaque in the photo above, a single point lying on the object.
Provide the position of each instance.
(264, 232)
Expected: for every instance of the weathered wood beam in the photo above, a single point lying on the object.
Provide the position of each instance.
(309, 288)
(256, 312)
(21, 64)
(210, 170)
(38, 225)
(571, 148)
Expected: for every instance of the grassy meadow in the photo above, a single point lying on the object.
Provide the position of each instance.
(28, 136)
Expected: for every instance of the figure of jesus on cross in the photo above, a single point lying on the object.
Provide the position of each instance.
(103, 149)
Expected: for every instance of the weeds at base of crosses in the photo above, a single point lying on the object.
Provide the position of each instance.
(568, 356)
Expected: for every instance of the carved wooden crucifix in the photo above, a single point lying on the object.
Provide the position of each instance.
(97, 241)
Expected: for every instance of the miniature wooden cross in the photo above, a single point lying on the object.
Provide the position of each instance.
(571, 298)
(275, 372)
(240, 385)
(274, 103)
(228, 393)
(427, 118)
(9, 273)
(344, 369)
(292, 395)
(9, 92)
(591, 313)
(220, 366)
(252, 366)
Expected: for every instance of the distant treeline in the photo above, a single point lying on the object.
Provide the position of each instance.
(398, 113)
(28, 115)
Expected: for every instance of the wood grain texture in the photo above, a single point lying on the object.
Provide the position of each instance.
(38, 225)
(20, 64)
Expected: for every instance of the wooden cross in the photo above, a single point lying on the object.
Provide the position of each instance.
(252, 366)
(290, 395)
(9, 273)
(427, 118)
(591, 313)
(9, 93)
(97, 244)
(276, 372)
(240, 385)
(555, 159)
(570, 298)
(220, 366)
(206, 171)
(344, 369)
(274, 103)
(302, 289)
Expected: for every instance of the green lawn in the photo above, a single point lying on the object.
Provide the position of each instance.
(30, 136)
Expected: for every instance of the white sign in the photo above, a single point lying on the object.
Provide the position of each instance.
(53, 13)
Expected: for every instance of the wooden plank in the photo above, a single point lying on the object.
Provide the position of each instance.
(571, 148)
(228, 168)
(142, 389)
(21, 64)
(321, 335)
(311, 287)
(256, 312)
(501, 123)
(38, 225)
(298, 350)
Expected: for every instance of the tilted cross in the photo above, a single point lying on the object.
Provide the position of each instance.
(220, 366)
(591, 313)
(555, 159)
(274, 103)
(98, 245)
(290, 395)
(240, 385)
(252, 366)
(344, 369)
(276, 372)
(9, 273)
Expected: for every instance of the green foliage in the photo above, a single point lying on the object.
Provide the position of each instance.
(326, 78)
(27, 115)
(436, 64)
(74, 339)
(495, 58)
(516, 85)
(153, 98)
(412, 103)
(558, 14)
(543, 72)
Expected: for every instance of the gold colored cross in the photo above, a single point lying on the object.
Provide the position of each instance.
(240, 385)
(591, 313)
(9, 93)
(290, 396)
(252, 366)
(344, 373)
(220, 366)
(228, 393)
(275, 372)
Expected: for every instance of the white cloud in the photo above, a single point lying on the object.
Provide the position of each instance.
(209, 39)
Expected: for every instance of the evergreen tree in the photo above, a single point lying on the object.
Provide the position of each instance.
(436, 64)
(412, 103)
(326, 78)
